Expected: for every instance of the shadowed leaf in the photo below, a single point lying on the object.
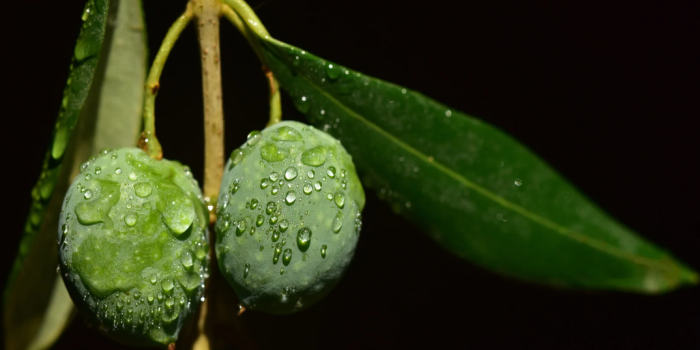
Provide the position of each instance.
(108, 64)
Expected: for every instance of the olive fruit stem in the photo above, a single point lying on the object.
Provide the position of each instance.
(275, 99)
(208, 13)
(148, 141)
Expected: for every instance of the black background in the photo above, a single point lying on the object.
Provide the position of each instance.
(606, 92)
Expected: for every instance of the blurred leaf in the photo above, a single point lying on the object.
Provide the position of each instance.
(37, 306)
(477, 191)
(56, 317)
(121, 101)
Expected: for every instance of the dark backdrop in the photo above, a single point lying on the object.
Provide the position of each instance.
(606, 92)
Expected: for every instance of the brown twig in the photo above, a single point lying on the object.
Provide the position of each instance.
(207, 13)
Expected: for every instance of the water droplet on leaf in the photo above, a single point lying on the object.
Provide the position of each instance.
(304, 238)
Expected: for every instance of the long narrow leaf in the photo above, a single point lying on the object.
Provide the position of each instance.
(477, 191)
(37, 306)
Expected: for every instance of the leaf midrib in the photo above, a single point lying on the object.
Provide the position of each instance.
(559, 229)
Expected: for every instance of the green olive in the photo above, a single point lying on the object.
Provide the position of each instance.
(288, 217)
(133, 246)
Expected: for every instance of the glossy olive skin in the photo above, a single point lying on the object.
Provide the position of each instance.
(288, 217)
(133, 249)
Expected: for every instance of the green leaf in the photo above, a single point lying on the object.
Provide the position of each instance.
(121, 100)
(477, 191)
(36, 304)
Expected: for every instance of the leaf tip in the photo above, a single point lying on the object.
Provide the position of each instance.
(688, 276)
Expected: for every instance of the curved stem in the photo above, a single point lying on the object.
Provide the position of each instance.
(248, 16)
(237, 21)
(148, 141)
(275, 99)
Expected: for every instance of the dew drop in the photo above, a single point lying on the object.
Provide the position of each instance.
(286, 133)
(130, 219)
(237, 156)
(315, 156)
(167, 285)
(234, 187)
(275, 236)
(202, 250)
(277, 253)
(282, 270)
(324, 248)
(246, 271)
(332, 71)
(318, 186)
(273, 220)
(342, 173)
(88, 194)
(142, 189)
(187, 260)
(241, 226)
(270, 208)
(304, 238)
(337, 222)
(518, 182)
(275, 190)
(308, 188)
(86, 14)
(264, 183)
(310, 174)
(98, 170)
(290, 197)
(133, 176)
(254, 137)
(224, 200)
(260, 220)
(339, 199)
(274, 176)
(271, 153)
(331, 172)
(290, 174)
(88, 177)
(284, 224)
(118, 171)
(287, 257)
(253, 203)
